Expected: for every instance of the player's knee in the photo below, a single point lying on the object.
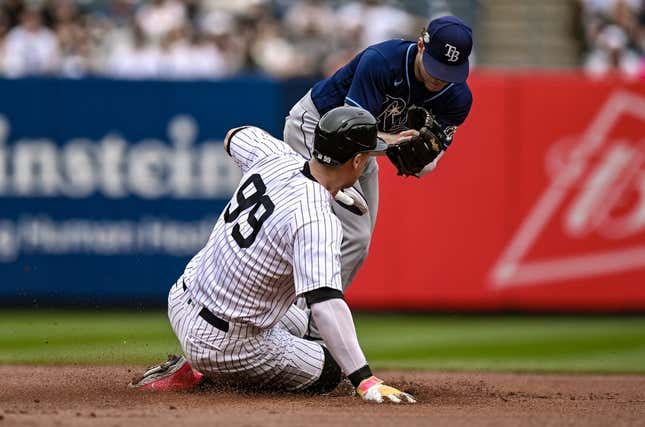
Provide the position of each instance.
(330, 376)
(296, 320)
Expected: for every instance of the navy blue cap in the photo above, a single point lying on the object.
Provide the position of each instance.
(448, 42)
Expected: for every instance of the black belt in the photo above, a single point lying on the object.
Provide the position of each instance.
(208, 315)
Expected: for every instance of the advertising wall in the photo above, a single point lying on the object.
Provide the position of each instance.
(539, 204)
(107, 188)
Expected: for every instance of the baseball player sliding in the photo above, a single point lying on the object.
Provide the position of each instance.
(398, 81)
(278, 238)
(419, 94)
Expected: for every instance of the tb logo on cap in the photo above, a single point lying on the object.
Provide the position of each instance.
(452, 53)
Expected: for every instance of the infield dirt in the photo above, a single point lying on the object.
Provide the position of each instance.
(62, 396)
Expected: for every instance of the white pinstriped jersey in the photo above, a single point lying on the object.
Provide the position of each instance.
(277, 238)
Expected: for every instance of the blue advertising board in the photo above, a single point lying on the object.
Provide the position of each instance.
(108, 187)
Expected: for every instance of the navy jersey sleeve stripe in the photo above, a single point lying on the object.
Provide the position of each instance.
(350, 101)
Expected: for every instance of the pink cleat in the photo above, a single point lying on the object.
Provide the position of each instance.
(173, 375)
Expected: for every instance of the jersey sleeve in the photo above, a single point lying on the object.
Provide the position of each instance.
(316, 249)
(369, 82)
(453, 115)
(248, 145)
(456, 114)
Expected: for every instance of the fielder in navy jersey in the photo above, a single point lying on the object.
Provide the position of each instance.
(387, 79)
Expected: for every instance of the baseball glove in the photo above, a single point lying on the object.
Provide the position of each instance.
(419, 118)
(412, 155)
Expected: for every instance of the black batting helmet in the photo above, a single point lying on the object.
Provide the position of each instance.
(343, 132)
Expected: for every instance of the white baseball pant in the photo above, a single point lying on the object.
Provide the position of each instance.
(275, 359)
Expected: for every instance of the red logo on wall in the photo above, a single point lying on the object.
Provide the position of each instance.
(590, 220)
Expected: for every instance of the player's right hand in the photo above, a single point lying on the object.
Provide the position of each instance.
(405, 135)
(397, 138)
(372, 389)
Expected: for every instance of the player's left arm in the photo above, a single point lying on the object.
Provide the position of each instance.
(336, 327)
(229, 135)
(316, 270)
(443, 134)
(248, 144)
(420, 154)
(446, 120)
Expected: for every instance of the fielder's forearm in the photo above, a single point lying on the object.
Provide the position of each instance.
(336, 327)
(390, 138)
(430, 166)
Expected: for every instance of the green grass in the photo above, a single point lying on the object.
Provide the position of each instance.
(435, 342)
(506, 343)
(70, 337)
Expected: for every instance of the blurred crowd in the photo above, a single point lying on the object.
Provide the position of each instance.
(614, 36)
(191, 39)
(210, 39)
